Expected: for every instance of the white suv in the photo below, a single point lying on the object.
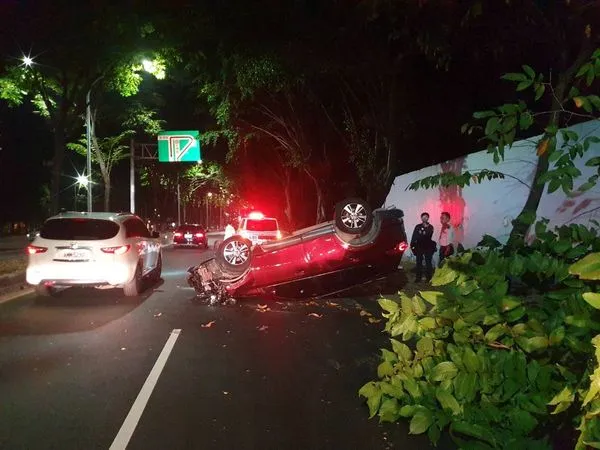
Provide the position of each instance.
(93, 249)
(258, 229)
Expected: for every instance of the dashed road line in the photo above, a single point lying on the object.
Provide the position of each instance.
(124, 435)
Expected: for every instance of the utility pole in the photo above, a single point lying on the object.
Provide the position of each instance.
(132, 176)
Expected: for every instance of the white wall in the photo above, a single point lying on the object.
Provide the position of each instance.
(489, 207)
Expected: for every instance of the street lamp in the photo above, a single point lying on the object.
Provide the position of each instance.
(27, 61)
(208, 196)
(88, 135)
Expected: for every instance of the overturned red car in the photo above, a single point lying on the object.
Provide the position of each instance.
(358, 245)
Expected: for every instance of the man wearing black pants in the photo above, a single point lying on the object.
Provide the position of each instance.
(423, 247)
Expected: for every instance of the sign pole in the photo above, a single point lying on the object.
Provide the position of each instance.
(178, 202)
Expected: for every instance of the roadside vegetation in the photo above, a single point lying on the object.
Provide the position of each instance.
(10, 266)
(504, 351)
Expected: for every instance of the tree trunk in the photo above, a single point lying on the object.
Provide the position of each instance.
(107, 194)
(519, 230)
(320, 216)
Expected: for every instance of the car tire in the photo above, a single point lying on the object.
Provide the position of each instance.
(157, 271)
(353, 216)
(44, 291)
(233, 255)
(134, 287)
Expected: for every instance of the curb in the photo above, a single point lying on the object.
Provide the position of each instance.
(5, 298)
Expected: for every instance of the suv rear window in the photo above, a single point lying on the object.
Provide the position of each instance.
(261, 225)
(189, 228)
(79, 229)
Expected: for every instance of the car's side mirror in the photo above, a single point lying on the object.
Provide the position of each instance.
(155, 234)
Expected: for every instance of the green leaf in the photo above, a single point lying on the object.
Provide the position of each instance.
(401, 350)
(433, 433)
(492, 125)
(388, 356)
(528, 71)
(588, 268)
(592, 298)
(514, 77)
(593, 162)
(443, 276)
(539, 91)
(471, 360)
(408, 410)
(495, 332)
(392, 390)
(483, 114)
(418, 306)
(522, 421)
(421, 421)
(412, 387)
(448, 401)
(532, 344)
(389, 411)
(388, 305)
(509, 303)
(566, 395)
(385, 369)
(557, 336)
(524, 85)
(526, 120)
(446, 370)
(369, 389)
(425, 346)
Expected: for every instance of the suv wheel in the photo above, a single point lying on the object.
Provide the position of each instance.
(134, 287)
(233, 255)
(353, 216)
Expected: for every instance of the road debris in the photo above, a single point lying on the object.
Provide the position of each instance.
(318, 316)
(209, 324)
(373, 320)
(123, 348)
(225, 393)
(158, 314)
(263, 328)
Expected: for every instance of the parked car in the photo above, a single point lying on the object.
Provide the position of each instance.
(358, 245)
(189, 235)
(96, 250)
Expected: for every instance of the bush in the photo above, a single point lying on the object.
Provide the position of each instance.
(501, 354)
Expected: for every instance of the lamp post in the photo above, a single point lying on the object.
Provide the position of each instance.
(88, 133)
(208, 196)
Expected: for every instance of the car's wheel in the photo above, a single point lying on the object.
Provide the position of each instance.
(44, 291)
(134, 287)
(233, 255)
(156, 273)
(353, 216)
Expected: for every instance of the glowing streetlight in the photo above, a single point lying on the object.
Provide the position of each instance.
(82, 181)
(27, 61)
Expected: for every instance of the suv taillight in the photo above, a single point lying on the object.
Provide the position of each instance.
(33, 250)
(199, 234)
(120, 250)
(177, 234)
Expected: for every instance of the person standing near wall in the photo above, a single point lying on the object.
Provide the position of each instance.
(423, 247)
(446, 239)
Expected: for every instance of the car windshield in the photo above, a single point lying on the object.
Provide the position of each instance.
(261, 225)
(79, 229)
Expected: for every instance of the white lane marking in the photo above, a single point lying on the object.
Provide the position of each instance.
(132, 419)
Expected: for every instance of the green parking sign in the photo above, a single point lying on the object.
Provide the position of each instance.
(179, 146)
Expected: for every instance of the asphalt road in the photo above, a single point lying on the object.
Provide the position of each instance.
(77, 371)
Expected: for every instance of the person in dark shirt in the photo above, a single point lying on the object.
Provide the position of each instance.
(423, 247)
